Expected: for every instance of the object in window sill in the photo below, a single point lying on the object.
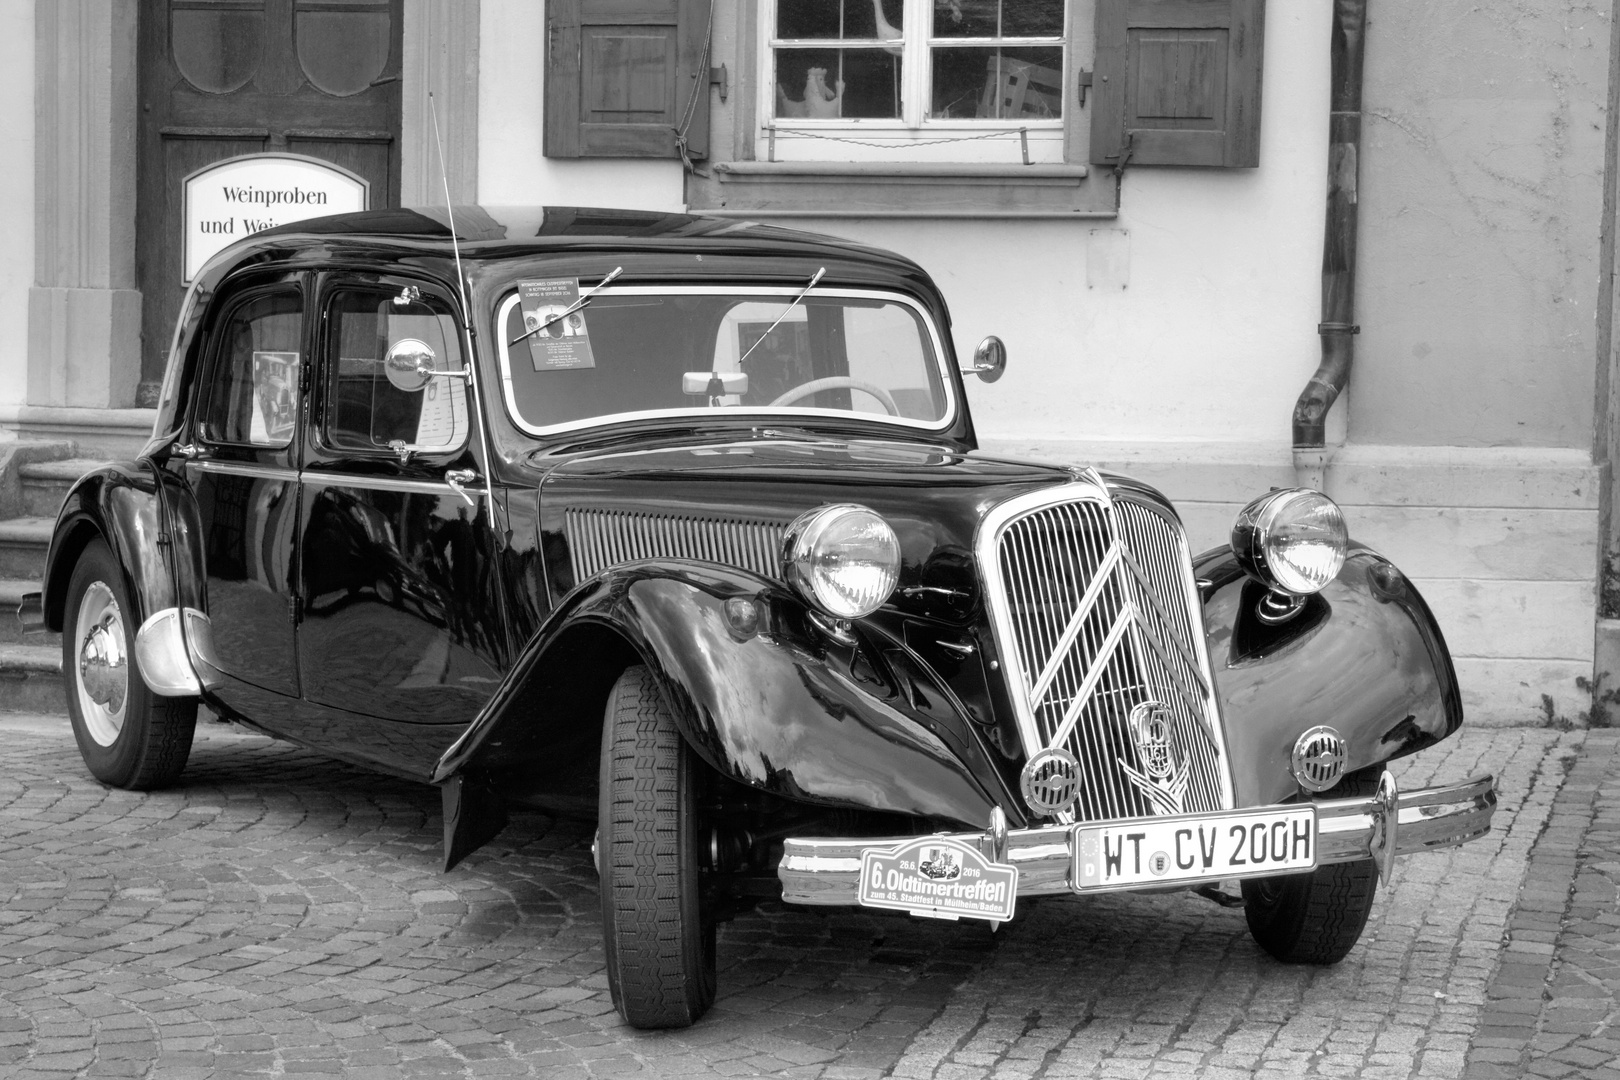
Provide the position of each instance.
(818, 103)
(1016, 88)
(886, 31)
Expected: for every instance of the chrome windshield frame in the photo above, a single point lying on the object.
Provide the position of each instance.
(764, 414)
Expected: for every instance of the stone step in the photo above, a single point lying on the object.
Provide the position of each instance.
(31, 679)
(46, 483)
(23, 543)
(12, 591)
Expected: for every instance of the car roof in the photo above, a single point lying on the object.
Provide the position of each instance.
(493, 232)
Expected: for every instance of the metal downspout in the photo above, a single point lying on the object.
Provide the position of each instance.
(1337, 328)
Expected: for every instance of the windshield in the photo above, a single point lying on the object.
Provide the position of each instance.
(637, 351)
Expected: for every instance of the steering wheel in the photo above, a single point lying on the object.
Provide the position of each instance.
(839, 382)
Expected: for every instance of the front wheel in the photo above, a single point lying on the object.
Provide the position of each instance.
(1316, 917)
(128, 736)
(659, 939)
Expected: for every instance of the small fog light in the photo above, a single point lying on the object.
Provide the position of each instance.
(742, 615)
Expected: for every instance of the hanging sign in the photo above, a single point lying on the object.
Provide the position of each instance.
(239, 196)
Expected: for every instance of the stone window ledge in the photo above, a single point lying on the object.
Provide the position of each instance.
(761, 189)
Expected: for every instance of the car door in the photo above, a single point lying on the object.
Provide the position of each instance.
(401, 618)
(242, 471)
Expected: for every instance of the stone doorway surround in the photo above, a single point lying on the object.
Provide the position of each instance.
(84, 312)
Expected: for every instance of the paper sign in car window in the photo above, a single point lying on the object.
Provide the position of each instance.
(564, 344)
(275, 389)
(442, 408)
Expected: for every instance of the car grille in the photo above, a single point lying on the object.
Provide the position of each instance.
(1093, 600)
(599, 539)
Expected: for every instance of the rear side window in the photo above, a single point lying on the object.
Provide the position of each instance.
(383, 352)
(254, 398)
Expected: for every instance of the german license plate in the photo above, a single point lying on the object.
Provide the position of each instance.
(1205, 847)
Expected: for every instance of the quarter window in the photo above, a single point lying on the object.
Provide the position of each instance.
(255, 393)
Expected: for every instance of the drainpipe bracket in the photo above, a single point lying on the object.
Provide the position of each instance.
(1326, 328)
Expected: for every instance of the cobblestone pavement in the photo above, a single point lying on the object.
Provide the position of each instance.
(281, 914)
(1554, 1002)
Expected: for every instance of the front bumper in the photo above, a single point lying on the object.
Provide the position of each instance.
(1389, 823)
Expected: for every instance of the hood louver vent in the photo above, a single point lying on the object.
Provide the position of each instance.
(601, 539)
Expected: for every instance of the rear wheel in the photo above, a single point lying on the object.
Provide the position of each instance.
(129, 737)
(1315, 918)
(659, 938)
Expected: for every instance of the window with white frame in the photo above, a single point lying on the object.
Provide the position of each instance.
(912, 80)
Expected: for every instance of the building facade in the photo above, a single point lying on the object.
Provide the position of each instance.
(1131, 193)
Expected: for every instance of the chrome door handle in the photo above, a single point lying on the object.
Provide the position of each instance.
(457, 479)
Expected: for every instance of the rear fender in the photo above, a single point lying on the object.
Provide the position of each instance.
(121, 504)
(779, 709)
(1364, 657)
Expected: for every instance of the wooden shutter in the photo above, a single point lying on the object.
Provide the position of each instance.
(1180, 79)
(624, 76)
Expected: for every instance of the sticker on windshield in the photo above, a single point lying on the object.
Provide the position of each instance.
(554, 319)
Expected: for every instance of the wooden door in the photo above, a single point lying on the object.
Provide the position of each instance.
(221, 78)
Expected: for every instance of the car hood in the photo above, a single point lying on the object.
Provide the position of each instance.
(933, 496)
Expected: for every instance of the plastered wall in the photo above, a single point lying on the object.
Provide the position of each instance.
(1480, 217)
(512, 166)
(16, 195)
(1192, 316)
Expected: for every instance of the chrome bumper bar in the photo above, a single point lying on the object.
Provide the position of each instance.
(1390, 823)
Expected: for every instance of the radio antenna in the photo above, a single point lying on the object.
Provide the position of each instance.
(449, 209)
(466, 319)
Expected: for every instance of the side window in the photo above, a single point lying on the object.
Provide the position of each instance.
(254, 398)
(380, 348)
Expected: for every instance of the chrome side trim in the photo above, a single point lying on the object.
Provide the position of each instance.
(170, 662)
(827, 871)
(600, 539)
(383, 483)
(242, 468)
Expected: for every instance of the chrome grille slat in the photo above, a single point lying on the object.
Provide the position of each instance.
(601, 539)
(1093, 603)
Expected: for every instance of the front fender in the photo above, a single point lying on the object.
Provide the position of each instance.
(780, 709)
(1365, 657)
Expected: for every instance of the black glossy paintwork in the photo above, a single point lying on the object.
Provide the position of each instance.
(120, 504)
(780, 710)
(1370, 663)
(900, 722)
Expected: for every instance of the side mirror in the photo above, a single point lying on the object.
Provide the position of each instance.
(411, 364)
(989, 360)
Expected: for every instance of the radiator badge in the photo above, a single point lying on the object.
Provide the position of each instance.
(1163, 778)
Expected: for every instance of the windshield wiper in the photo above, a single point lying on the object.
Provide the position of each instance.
(583, 301)
(819, 274)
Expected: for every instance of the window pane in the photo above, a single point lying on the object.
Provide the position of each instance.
(828, 84)
(1031, 18)
(857, 19)
(366, 411)
(998, 84)
(998, 18)
(255, 393)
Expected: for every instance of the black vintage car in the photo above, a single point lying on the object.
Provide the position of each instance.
(680, 523)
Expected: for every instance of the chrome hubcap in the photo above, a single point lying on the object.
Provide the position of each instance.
(103, 664)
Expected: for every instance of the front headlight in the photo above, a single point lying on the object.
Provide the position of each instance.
(844, 559)
(1292, 540)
